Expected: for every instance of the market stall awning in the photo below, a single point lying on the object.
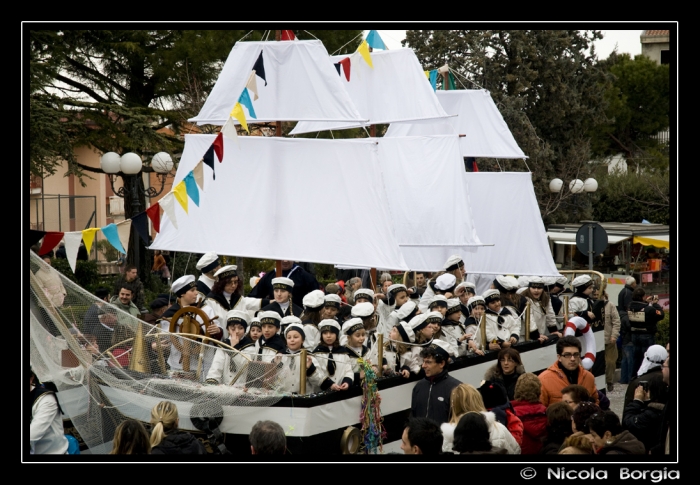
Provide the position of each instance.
(570, 238)
(658, 241)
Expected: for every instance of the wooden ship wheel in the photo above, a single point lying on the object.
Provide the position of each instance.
(191, 326)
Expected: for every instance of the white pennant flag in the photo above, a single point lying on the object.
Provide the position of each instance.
(252, 84)
(72, 240)
(168, 205)
(124, 231)
(229, 130)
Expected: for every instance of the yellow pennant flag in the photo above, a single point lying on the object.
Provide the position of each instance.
(237, 113)
(427, 74)
(180, 192)
(364, 52)
(199, 174)
(89, 237)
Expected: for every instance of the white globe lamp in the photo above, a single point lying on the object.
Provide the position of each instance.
(590, 185)
(109, 162)
(131, 163)
(555, 185)
(576, 186)
(162, 162)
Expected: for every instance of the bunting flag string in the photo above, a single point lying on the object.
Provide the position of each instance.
(140, 223)
(51, 240)
(88, 236)
(237, 113)
(346, 67)
(123, 232)
(244, 99)
(154, 215)
(180, 192)
(72, 244)
(364, 52)
(229, 131)
(191, 186)
(110, 232)
(375, 41)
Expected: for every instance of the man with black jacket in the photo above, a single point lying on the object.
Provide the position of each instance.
(624, 298)
(644, 313)
(431, 396)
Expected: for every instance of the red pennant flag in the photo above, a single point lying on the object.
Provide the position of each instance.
(219, 146)
(153, 213)
(288, 35)
(476, 169)
(346, 67)
(51, 240)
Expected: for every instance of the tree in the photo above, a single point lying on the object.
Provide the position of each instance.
(638, 108)
(547, 86)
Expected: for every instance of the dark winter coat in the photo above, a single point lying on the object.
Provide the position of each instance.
(623, 444)
(179, 443)
(643, 420)
(431, 397)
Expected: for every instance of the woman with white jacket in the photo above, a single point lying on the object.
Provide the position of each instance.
(465, 399)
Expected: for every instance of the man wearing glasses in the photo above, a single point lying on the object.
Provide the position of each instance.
(565, 371)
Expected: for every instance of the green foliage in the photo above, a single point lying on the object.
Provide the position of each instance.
(86, 273)
(663, 330)
(631, 197)
(108, 251)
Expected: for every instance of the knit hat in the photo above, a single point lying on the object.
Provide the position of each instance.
(406, 332)
(493, 393)
(491, 295)
(363, 293)
(362, 310)
(654, 357)
(581, 282)
(475, 300)
(407, 311)
(418, 322)
(438, 301)
(467, 285)
(453, 306)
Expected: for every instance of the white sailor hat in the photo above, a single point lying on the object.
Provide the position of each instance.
(255, 322)
(467, 285)
(583, 281)
(295, 326)
(434, 317)
(237, 316)
(443, 348)
(439, 301)
(352, 325)
(521, 290)
(392, 291)
(332, 300)
(523, 281)
(501, 283)
(475, 300)
(314, 300)
(183, 284)
(453, 262)
(562, 280)
(362, 310)
(445, 282)
(577, 305)
(407, 311)
(282, 283)
(270, 317)
(364, 293)
(226, 271)
(453, 306)
(406, 332)
(535, 282)
(208, 262)
(329, 324)
(491, 295)
(289, 319)
(418, 322)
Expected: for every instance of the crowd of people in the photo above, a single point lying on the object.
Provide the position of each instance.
(424, 327)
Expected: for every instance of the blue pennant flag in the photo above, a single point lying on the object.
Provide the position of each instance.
(374, 41)
(111, 233)
(433, 79)
(244, 99)
(192, 189)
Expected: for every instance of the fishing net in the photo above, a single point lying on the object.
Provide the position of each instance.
(109, 365)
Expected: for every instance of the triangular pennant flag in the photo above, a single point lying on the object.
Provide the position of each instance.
(337, 67)
(89, 237)
(219, 146)
(237, 112)
(259, 68)
(140, 223)
(288, 35)
(252, 84)
(192, 190)
(427, 75)
(112, 235)
(244, 99)
(374, 41)
(51, 240)
(364, 52)
(34, 237)
(72, 240)
(124, 233)
(346, 67)
(229, 131)
(199, 174)
(153, 213)
(451, 85)
(180, 192)
(476, 168)
(208, 159)
(168, 205)
(433, 79)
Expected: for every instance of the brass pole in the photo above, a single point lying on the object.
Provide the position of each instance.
(302, 371)
(380, 351)
(482, 325)
(527, 320)
(566, 309)
(139, 357)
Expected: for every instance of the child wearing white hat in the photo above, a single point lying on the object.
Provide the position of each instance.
(329, 355)
(290, 372)
(397, 354)
(355, 348)
(502, 328)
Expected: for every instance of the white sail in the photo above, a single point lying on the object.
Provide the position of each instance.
(394, 89)
(284, 198)
(301, 85)
(485, 132)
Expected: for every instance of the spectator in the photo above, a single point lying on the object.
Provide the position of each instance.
(100, 319)
(431, 395)
(131, 438)
(166, 438)
(644, 314)
(558, 427)
(61, 251)
(496, 401)
(46, 427)
(575, 394)
(643, 416)
(82, 252)
(580, 417)
(566, 370)
(158, 265)
(611, 332)
(267, 438)
(471, 436)
(304, 282)
(351, 286)
(421, 436)
(532, 413)
(506, 370)
(124, 301)
(158, 307)
(653, 359)
(577, 444)
(608, 437)
(131, 276)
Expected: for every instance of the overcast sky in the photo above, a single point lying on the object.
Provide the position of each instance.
(626, 40)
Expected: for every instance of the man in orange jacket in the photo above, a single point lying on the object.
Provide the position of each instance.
(565, 371)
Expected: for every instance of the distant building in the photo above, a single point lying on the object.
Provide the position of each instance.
(655, 45)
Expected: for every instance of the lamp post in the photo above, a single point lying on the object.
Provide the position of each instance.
(576, 187)
(129, 167)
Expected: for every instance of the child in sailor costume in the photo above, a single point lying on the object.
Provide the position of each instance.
(502, 328)
(314, 302)
(423, 336)
(396, 296)
(454, 332)
(316, 379)
(185, 289)
(331, 306)
(580, 304)
(443, 285)
(542, 319)
(355, 349)
(270, 344)
(282, 290)
(476, 307)
(227, 364)
(464, 291)
(221, 301)
(366, 312)
(407, 311)
(330, 356)
(207, 265)
(397, 355)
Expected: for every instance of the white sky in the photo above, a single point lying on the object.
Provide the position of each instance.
(627, 41)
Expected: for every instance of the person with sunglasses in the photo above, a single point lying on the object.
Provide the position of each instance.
(566, 370)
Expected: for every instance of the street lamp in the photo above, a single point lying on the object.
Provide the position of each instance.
(576, 187)
(129, 167)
